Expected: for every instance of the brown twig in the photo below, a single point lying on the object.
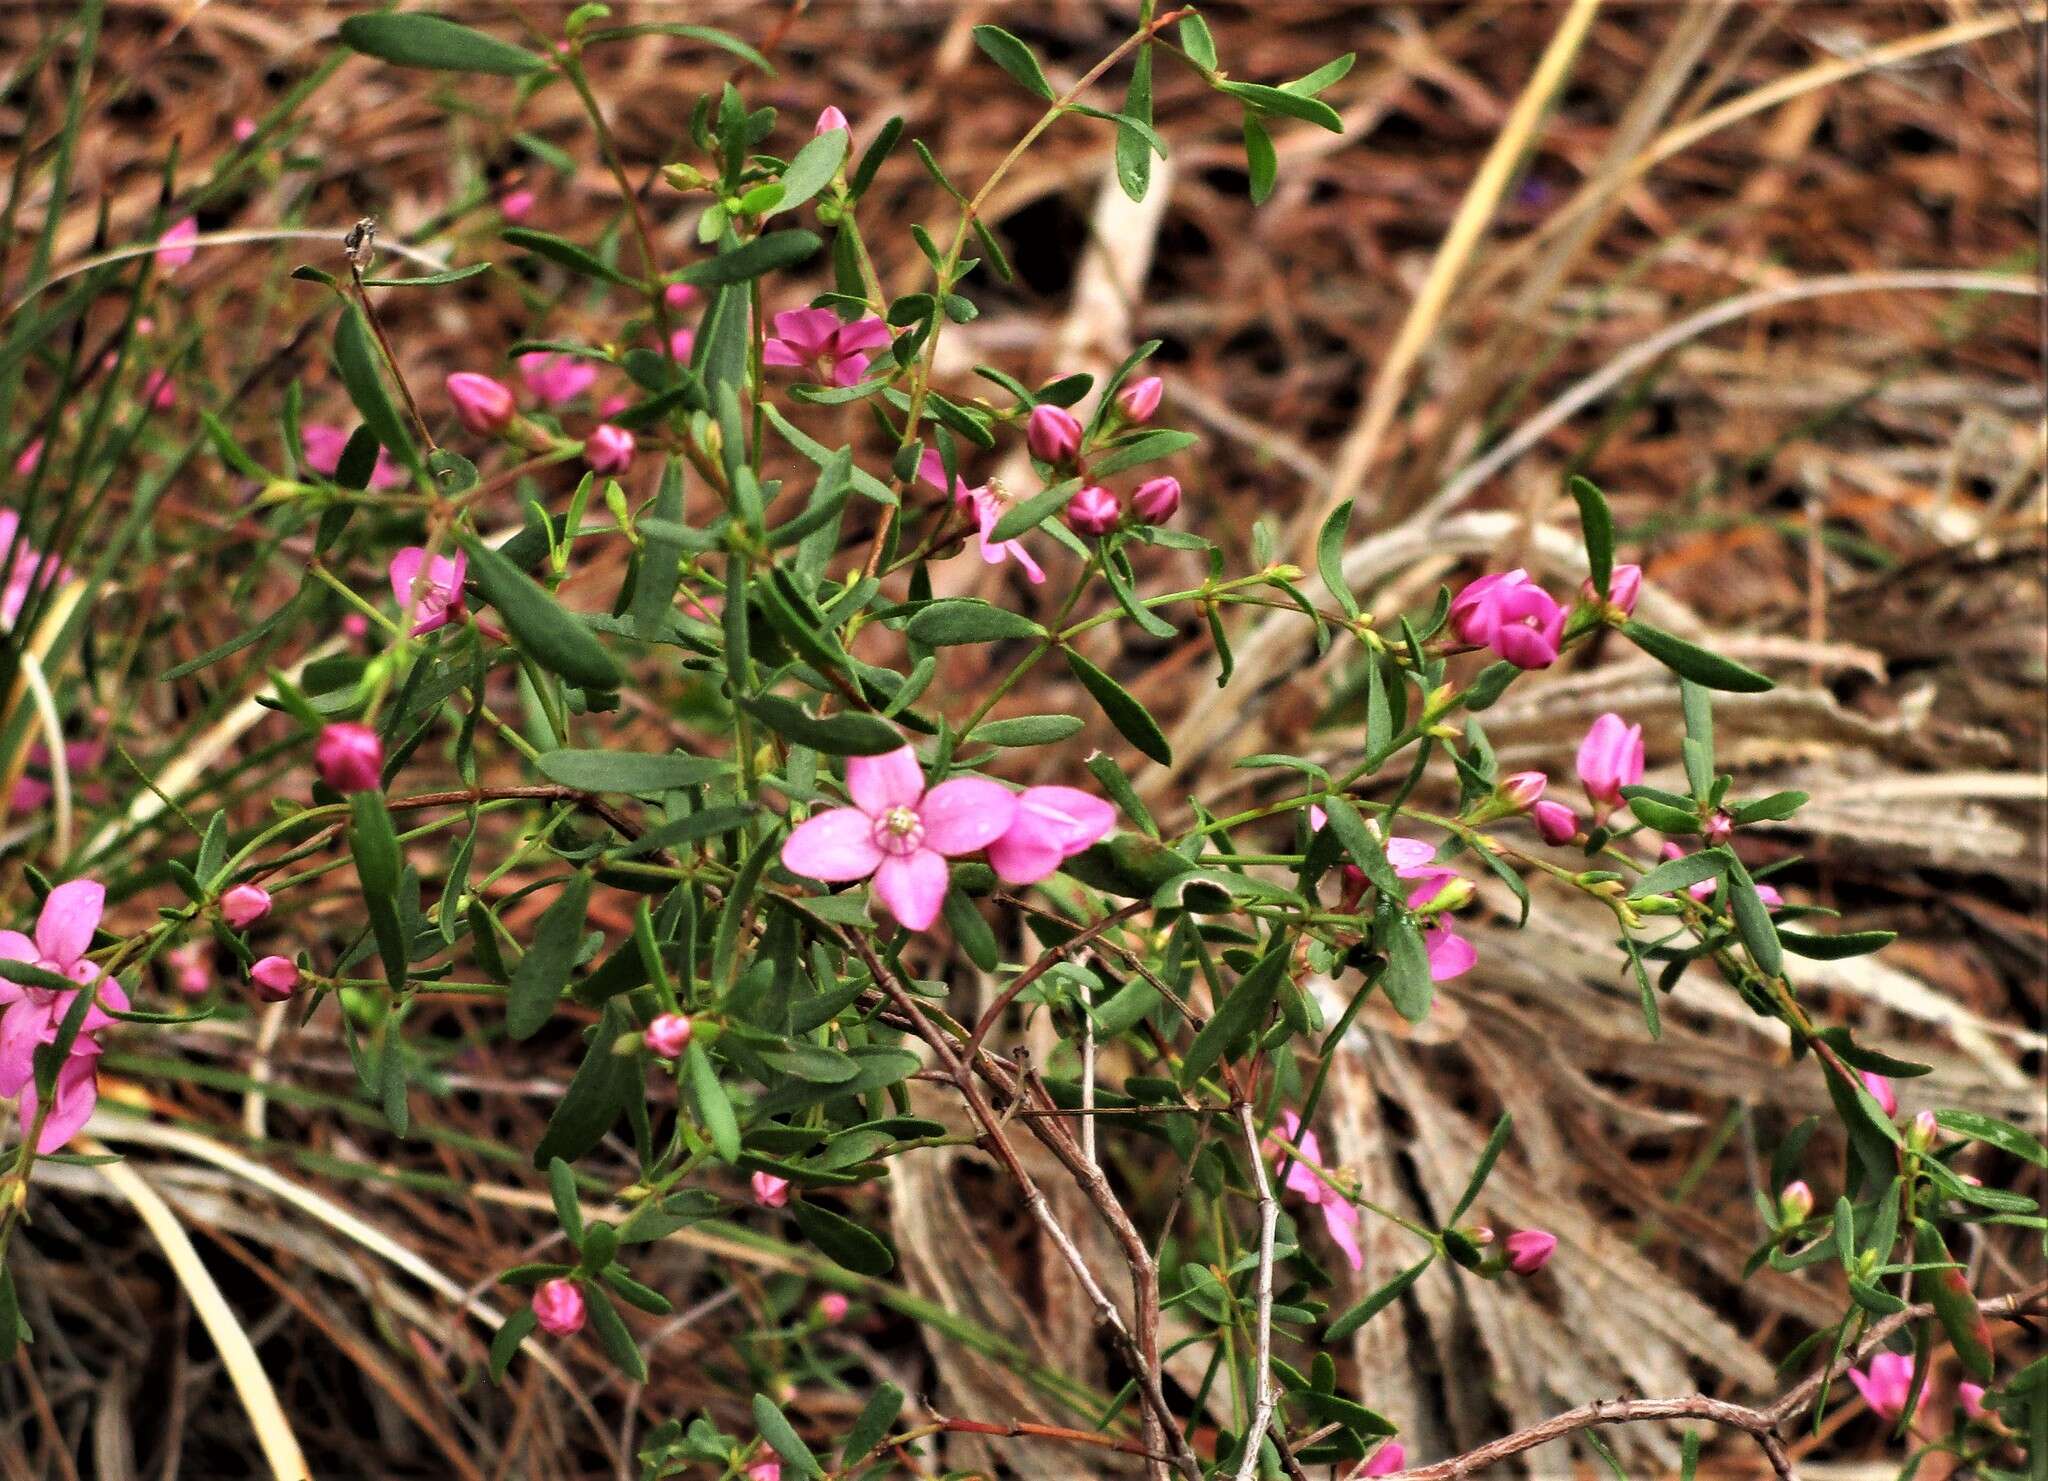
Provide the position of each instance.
(1043, 965)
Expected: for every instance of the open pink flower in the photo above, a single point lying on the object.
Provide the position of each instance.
(900, 833)
(436, 599)
(323, 446)
(1450, 955)
(986, 508)
(815, 340)
(555, 378)
(191, 969)
(1340, 1215)
(25, 568)
(31, 1016)
(1052, 825)
(1513, 616)
(1885, 1386)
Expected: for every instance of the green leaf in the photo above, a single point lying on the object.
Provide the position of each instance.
(517, 1327)
(1132, 720)
(374, 844)
(714, 1106)
(858, 1249)
(1408, 984)
(413, 40)
(612, 1335)
(873, 1422)
(1835, 948)
(849, 733)
(1357, 1316)
(430, 280)
(1261, 160)
(1240, 1015)
(538, 980)
(782, 1439)
(950, 623)
(357, 357)
(1772, 809)
(764, 254)
(564, 253)
(1596, 523)
(1954, 1306)
(1024, 517)
(1753, 921)
(1196, 41)
(1015, 58)
(1028, 730)
(1695, 663)
(556, 640)
(1663, 817)
(1681, 873)
(640, 775)
(1148, 448)
(1279, 100)
(596, 1094)
(562, 1189)
(1330, 556)
(1133, 152)
(2000, 1134)
(812, 169)
(1490, 1154)
(970, 930)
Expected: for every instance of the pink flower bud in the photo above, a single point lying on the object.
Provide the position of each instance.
(679, 295)
(157, 391)
(611, 406)
(769, 1190)
(669, 1035)
(1881, 1091)
(1386, 1460)
(31, 454)
(1720, 828)
(350, 758)
(1093, 511)
(608, 449)
(1052, 433)
(680, 343)
(832, 1307)
(1922, 1133)
(829, 120)
(1610, 758)
(192, 970)
(481, 404)
(1156, 500)
(276, 978)
(558, 1307)
(1624, 585)
(516, 205)
(1795, 1202)
(1529, 1250)
(244, 905)
(1480, 1234)
(355, 625)
(1971, 1397)
(174, 247)
(765, 1470)
(1555, 823)
(244, 129)
(1139, 399)
(1524, 789)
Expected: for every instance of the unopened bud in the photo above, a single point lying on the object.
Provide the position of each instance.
(1795, 1202)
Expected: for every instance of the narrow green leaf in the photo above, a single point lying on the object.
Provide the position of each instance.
(1357, 1316)
(414, 40)
(1490, 1154)
(543, 972)
(555, 639)
(357, 357)
(858, 1249)
(564, 253)
(517, 1327)
(568, 1210)
(373, 843)
(639, 775)
(968, 620)
(1132, 720)
(849, 733)
(612, 1335)
(1330, 556)
(1596, 524)
(1291, 105)
(1261, 160)
(812, 169)
(714, 1106)
(782, 1438)
(1240, 1015)
(872, 1424)
(766, 253)
(1015, 58)
(1695, 663)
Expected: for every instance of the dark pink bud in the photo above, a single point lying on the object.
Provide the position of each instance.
(1529, 1250)
(275, 978)
(1094, 510)
(1524, 789)
(679, 295)
(1156, 500)
(1555, 823)
(1971, 1397)
(244, 129)
(1624, 585)
(1610, 758)
(244, 905)
(769, 1190)
(1138, 400)
(832, 1307)
(1881, 1091)
(669, 1035)
(350, 758)
(481, 404)
(558, 1307)
(1053, 434)
(608, 449)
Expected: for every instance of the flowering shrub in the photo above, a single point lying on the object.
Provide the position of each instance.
(846, 833)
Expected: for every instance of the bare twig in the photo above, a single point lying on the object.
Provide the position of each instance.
(1262, 1362)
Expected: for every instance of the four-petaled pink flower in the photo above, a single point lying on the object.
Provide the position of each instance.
(900, 833)
(555, 378)
(1052, 825)
(31, 1016)
(434, 599)
(815, 340)
(1610, 758)
(769, 1190)
(25, 568)
(1513, 616)
(1885, 1386)
(608, 449)
(323, 445)
(986, 508)
(1340, 1215)
(32, 792)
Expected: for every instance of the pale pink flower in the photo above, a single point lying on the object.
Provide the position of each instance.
(829, 120)
(1140, 398)
(668, 1036)
(244, 129)
(173, 248)
(681, 344)
(244, 905)
(1624, 585)
(30, 455)
(1093, 510)
(1523, 790)
(1610, 758)
(765, 1470)
(323, 444)
(611, 406)
(350, 757)
(32, 793)
(769, 1190)
(31, 1016)
(1052, 825)
(1529, 1250)
(1450, 955)
(435, 598)
(482, 405)
(191, 969)
(900, 833)
(986, 508)
(1720, 827)
(608, 449)
(26, 570)
(1052, 433)
(275, 978)
(558, 1307)
(1795, 1202)
(1157, 499)
(1508, 613)
(815, 340)
(1386, 1460)
(355, 625)
(1886, 1383)
(556, 378)
(516, 205)
(1340, 1215)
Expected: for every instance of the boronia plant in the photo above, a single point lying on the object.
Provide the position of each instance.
(810, 880)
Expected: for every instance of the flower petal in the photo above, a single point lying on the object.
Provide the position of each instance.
(806, 330)
(861, 335)
(15, 947)
(776, 352)
(1341, 1219)
(78, 1091)
(1409, 855)
(965, 814)
(405, 572)
(849, 370)
(879, 783)
(1078, 817)
(913, 887)
(1025, 856)
(834, 846)
(64, 930)
(1450, 955)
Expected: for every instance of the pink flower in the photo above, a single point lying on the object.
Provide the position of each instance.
(1511, 615)
(679, 295)
(435, 598)
(26, 570)
(765, 1470)
(32, 1016)
(1524, 789)
(668, 1036)
(815, 340)
(244, 905)
(681, 343)
(1885, 1386)
(482, 405)
(1386, 1460)
(986, 508)
(191, 969)
(1881, 1091)
(608, 449)
(832, 1306)
(1157, 500)
(275, 978)
(555, 378)
(558, 1307)
(30, 455)
(900, 833)
(1052, 433)
(1720, 827)
(829, 120)
(1140, 398)
(244, 129)
(1624, 585)
(611, 406)
(173, 248)
(158, 391)
(323, 445)
(516, 205)
(350, 757)
(1529, 1250)
(355, 625)
(1971, 1397)
(1610, 758)
(769, 1190)
(1052, 825)
(1093, 510)
(1450, 955)
(1340, 1215)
